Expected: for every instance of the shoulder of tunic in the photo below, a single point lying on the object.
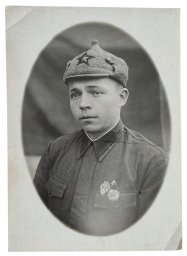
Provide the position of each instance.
(62, 142)
(150, 158)
(141, 143)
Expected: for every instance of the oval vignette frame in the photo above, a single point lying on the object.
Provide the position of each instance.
(147, 109)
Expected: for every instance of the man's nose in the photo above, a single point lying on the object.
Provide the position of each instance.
(84, 102)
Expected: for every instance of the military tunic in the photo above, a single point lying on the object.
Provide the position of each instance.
(73, 171)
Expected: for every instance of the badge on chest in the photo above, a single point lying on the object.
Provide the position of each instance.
(110, 189)
(109, 197)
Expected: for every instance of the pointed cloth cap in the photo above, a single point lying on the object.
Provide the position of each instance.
(97, 62)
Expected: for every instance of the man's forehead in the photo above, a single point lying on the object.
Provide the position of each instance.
(86, 86)
(91, 83)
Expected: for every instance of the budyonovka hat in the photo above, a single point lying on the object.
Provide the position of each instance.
(97, 62)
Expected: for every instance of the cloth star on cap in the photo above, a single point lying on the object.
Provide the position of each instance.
(97, 62)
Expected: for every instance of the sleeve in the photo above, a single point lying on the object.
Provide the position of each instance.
(42, 174)
(151, 183)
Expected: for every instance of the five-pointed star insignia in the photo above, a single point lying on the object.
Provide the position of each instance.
(84, 59)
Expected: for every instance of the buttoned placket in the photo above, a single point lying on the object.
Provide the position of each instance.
(84, 182)
(92, 153)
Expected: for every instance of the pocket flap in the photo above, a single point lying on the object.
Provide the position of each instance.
(125, 200)
(55, 188)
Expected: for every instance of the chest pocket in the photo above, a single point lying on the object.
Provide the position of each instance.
(56, 190)
(125, 200)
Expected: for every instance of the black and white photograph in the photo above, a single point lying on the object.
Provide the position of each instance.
(94, 128)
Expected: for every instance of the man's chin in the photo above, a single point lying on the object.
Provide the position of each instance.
(91, 128)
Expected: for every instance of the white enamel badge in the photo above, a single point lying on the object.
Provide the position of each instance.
(111, 189)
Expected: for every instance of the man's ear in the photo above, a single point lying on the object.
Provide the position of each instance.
(124, 94)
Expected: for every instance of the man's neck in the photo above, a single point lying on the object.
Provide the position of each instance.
(92, 138)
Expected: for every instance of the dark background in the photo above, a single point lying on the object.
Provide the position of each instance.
(46, 113)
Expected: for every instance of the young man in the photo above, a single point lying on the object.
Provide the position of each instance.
(102, 179)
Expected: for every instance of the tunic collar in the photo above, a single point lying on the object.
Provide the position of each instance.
(103, 144)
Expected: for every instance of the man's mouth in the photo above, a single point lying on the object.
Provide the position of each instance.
(86, 117)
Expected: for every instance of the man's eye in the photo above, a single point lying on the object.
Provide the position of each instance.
(96, 93)
(74, 96)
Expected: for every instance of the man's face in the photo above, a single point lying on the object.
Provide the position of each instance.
(96, 103)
